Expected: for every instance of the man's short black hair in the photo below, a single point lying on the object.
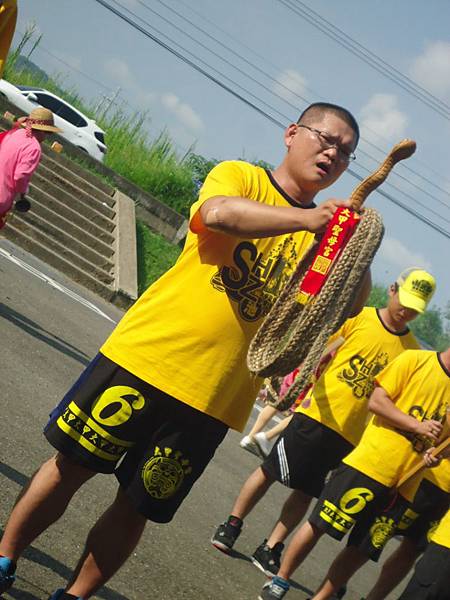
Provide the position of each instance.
(318, 109)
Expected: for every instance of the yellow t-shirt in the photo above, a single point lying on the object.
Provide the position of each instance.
(419, 385)
(189, 333)
(339, 398)
(441, 535)
(438, 476)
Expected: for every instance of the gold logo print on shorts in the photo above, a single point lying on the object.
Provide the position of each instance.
(113, 407)
(381, 531)
(116, 404)
(352, 502)
(164, 472)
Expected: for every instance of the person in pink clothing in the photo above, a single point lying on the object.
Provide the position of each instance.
(20, 153)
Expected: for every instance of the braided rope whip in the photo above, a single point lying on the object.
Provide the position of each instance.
(293, 333)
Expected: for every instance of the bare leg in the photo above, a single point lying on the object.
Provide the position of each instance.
(344, 566)
(41, 503)
(292, 513)
(301, 545)
(278, 428)
(395, 568)
(251, 493)
(263, 418)
(110, 542)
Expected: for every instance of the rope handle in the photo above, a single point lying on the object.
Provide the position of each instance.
(400, 151)
(435, 452)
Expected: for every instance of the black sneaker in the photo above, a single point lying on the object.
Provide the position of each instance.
(7, 570)
(268, 559)
(63, 595)
(227, 533)
(275, 589)
(339, 594)
(23, 205)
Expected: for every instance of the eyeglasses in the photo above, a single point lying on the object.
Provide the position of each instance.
(328, 141)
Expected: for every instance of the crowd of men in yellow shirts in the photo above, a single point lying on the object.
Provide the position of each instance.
(380, 373)
(157, 401)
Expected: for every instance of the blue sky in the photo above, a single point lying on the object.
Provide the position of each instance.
(265, 42)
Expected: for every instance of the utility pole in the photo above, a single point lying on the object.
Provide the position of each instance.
(110, 100)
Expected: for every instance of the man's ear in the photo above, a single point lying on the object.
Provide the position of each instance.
(289, 133)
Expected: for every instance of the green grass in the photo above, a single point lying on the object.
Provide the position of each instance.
(155, 255)
(151, 163)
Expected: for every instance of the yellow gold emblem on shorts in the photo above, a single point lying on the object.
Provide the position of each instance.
(381, 531)
(163, 474)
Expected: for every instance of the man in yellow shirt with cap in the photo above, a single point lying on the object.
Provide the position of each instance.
(331, 419)
(410, 403)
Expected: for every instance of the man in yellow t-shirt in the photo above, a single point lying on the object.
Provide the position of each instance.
(413, 514)
(409, 404)
(331, 419)
(431, 579)
(172, 378)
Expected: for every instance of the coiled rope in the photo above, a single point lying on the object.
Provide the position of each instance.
(294, 334)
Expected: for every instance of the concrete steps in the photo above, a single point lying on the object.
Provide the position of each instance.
(81, 226)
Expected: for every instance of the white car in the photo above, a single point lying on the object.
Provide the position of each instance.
(76, 127)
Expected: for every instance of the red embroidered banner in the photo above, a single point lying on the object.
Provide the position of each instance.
(336, 236)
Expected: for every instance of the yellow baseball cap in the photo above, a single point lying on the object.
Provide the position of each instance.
(415, 289)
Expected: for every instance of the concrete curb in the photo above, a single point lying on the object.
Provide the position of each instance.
(125, 247)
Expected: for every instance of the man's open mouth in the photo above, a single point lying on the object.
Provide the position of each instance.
(324, 166)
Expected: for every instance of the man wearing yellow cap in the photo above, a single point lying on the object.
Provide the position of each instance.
(415, 287)
(330, 420)
(409, 403)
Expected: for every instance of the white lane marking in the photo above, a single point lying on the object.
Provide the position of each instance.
(54, 284)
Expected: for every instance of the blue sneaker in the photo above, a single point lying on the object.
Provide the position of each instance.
(275, 589)
(63, 595)
(7, 570)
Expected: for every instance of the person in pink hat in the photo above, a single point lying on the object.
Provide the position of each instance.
(20, 153)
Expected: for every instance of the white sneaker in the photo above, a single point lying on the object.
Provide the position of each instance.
(249, 444)
(264, 445)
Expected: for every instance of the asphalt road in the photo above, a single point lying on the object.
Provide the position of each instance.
(49, 329)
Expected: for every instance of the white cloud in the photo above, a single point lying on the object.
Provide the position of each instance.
(290, 85)
(381, 117)
(183, 112)
(398, 255)
(431, 69)
(119, 70)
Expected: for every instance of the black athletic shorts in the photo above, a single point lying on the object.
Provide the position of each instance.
(430, 580)
(348, 497)
(430, 505)
(304, 454)
(112, 421)
(416, 520)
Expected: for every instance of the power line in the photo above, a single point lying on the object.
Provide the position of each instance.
(265, 74)
(378, 59)
(248, 103)
(249, 77)
(405, 207)
(186, 60)
(42, 48)
(368, 57)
